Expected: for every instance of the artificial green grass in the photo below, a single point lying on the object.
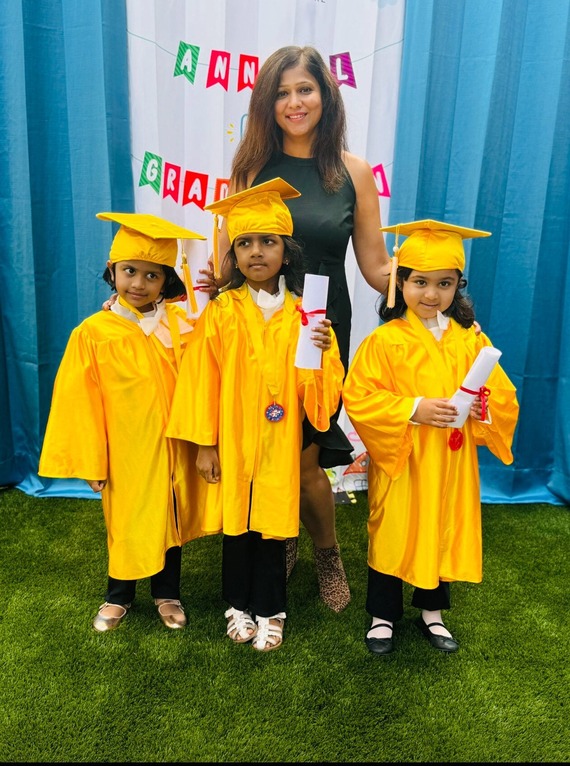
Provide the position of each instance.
(143, 693)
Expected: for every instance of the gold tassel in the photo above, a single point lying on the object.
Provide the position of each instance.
(391, 299)
(216, 259)
(191, 298)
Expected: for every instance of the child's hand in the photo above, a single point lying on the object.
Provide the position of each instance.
(476, 327)
(106, 306)
(476, 409)
(97, 485)
(322, 338)
(435, 412)
(208, 464)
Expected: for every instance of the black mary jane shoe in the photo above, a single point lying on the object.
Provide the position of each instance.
(379, 645)
(443, 643)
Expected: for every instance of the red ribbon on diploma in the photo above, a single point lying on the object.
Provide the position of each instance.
(306, 314)
(456, 438)
(484, 393)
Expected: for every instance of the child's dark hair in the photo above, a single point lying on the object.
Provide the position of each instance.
(293, 270)
(172, 289)
(461, 308)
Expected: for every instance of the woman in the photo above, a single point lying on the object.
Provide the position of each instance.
(296, 130)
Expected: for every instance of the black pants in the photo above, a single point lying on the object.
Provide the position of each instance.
(385, 596)
(254, 574)
(163, 584)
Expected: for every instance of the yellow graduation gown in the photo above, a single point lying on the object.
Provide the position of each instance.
(221, 397)
(425, 512)
(108, 416)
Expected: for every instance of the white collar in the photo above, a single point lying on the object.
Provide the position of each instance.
(148, 322)
(437, 325)
(439, 321)
(267, 301)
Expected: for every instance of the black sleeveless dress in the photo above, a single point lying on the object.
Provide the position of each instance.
(322, 224)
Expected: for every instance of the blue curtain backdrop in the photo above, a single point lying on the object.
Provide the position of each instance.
(64, 156)
(483, 140)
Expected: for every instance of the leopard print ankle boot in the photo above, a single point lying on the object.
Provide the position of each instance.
(333, 585)
(291, 553)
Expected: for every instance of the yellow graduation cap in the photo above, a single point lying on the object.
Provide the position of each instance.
(259, 209)
(146, 237)
(430, 246)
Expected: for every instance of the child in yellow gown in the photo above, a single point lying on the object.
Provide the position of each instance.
(424, 523)
(108, 416)
(242, 399)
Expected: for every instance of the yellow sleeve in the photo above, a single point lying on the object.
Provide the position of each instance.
(379, 414)
(75, 441)
(498, 435)
(194, 415)
(319, 390)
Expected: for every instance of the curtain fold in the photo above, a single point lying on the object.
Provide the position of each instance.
(483, 140)
(65, 136)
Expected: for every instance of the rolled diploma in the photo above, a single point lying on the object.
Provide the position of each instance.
(315, 291)
(197, 256)
(477, 376)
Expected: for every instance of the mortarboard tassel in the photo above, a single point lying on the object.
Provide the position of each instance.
(216, 259)
(391, 300)
(192, 305)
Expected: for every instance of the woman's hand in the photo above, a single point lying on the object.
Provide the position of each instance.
(322, 335)
(106, 306)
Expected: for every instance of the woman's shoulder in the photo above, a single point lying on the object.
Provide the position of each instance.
(357, 166)
(361, 174)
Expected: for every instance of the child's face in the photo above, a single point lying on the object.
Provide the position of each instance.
(259, 258)
(426, 293)
(139, 283)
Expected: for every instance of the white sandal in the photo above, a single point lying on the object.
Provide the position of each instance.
(269, 636)
(241, 627)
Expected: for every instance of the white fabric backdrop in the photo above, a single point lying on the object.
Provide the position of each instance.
(191, 67)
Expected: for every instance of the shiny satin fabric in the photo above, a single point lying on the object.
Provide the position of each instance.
(110, 406)
(221, 397)
(425, 511)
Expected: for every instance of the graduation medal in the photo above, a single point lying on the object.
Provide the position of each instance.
(274, 413)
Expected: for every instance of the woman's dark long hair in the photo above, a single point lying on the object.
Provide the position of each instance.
(173, 288)
(263, 137)
(293, 271)
(461, 308)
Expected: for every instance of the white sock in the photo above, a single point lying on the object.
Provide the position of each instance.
(429, 617)
(380, 632)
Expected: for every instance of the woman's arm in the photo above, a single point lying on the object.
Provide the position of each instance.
(367, 240)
